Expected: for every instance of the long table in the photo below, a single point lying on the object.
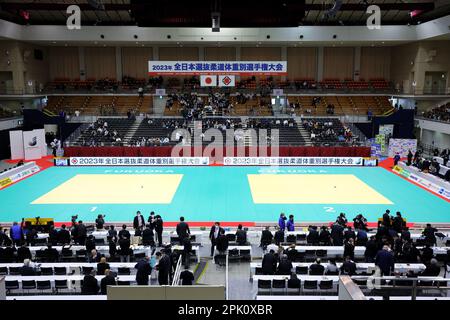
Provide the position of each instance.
(334, 251)
(399, 267)
(101, 249)
(74, 266)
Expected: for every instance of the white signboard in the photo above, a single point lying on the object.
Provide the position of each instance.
(293, 161)
(139, 161)
(227, 81)
(217, 67)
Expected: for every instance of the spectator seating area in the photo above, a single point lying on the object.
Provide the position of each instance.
(441, 113)
(327, 131)
(99, 105)
(289, 134)
(99, 134)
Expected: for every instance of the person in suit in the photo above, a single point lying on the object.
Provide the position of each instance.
(51, 254)
(284, 266)
(349, 248)
(107, 280)
(241, 236)
(348, 267)
(164, 267)
(387, 219)
(266, 237)
(124, 244)
(159, 229)
(63, 235)
(427, 254)
(313, 235)
(294, 281)
(222, 242)
(53, 235)
(102, 266)
(349, 233)
(337, 234)
(148, 238)
(342, 219)
(269, 263)
(279, 236)
(429, 233)
(291, 252)
(432, 269)
(371, 249)
(214, 235)
(138, 222)
(94, 256)
(27, 269)
(186, 277)
(385, 260)
(124, 233)
(90, 284)
(23, 253)
(112, 233)
(361, 237)
(316, 268)
(182, 230)
(324, 236)
(398, 223)
(144, 271)
(90, 243)
(332, 268)
(81, 233)
(186, 254)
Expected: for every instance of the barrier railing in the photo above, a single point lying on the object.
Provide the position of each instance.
(176, 275)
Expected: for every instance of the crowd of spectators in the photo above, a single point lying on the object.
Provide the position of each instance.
(441, 113)
(98, 132)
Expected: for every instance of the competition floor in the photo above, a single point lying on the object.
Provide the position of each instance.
(250, 194)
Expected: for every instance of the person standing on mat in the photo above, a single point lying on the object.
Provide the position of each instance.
(213, 235)
(282, 222)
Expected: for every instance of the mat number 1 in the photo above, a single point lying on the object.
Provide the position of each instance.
(329, 209)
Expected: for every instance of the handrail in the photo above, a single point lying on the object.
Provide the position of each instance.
(176, 275)
(227, 289)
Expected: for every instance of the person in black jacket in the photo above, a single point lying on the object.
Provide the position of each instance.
(269, 263)
(348, 267)
(429, 233)
(222, 242)
(100, 222)
(81, 233)
(138, 222)
(337, 234)
(159, 229)
(124, 244)
(148, 238)
(214, 234)
(313, 235)
(27, 269)
(51, 254)
(186, 255)
(266, 238)
(143, 271)
(102, 266)
(23, 253)
(90, 284)
(284, 266)
(53, 235)
(186, 277)
(279, 236)
(63, 235)
(398, 223)
(124, 233)
(316, 269)
(241, 236)
(108, 280)
(151, 220)
(90, 243)
(349, 248)
(164, 268)
(324, 236)
(387, 219)
(182, 230)
(432, 269)
(371, 249)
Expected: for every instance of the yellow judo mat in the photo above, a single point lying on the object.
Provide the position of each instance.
(312, 188)
(113, 188)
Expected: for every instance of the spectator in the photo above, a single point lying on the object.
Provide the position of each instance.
(371, 249)
(23, 253)
(432, 269)
(90, 284)
(51, 254)
(107, 280)
(349, 248)
(324, 236)
(429, 233)
(164, 267)
(27, 268)
(332, 268)
(124, 244)
(63, 235)
(284, 266)
(94, 256)
(279, 236)
(282, 222)
(148, 238)
(112, 233)
(159, 229)
(269, 263)
(102, 266)
(138, 223)
(266, 237)
(100, 222)
(124, 233)
(222, 242)
(348, 267)
(316, 268)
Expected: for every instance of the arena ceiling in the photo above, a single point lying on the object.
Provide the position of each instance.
(234, 13)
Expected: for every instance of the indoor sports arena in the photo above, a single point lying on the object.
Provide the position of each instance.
(224, 150)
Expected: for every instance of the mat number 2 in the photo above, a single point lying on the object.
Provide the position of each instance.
(329, 209)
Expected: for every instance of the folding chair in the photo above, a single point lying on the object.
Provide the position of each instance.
(264, 286)
(43, 285)
(279, 286)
